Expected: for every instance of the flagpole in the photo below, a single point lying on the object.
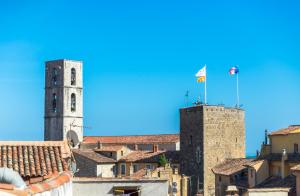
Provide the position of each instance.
(205, 92)
(205, 86)
(237, 90)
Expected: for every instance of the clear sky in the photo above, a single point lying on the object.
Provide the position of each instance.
(140, 57)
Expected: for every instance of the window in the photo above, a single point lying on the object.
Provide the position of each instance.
(73, 76)
(198, 155)
(111, 154)
(73, 102)
(123, 169)
(54, 104)
(148, 166)
(122, 153)
(135, 168)
(251, 173)
(191, 140)
(54, 76)
(296, 148)
(220, 179)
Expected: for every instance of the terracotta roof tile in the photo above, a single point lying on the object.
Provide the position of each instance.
(231, 166)
(296, 168)
(7, 186)
(254, 162)
(133, 139)
(33, 159)
(50, 183)
(150, 157)
(92, 155)
(139, 174)
(286, 131)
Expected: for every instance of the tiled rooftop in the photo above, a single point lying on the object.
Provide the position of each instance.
(253, 163)
(34, 159)
(285, 131)
(231, 166)
(277, 182)
(36, 188)
(139, 174)
(110, 148)
(52, 183)
(150, 157)
(133, 139)
(92, 155)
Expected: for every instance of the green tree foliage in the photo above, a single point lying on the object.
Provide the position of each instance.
(162, 160)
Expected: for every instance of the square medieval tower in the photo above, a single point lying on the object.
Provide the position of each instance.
(208, 136)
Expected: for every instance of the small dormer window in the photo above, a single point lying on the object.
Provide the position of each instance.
(122, 153)
(54, 76)
(73, 76)
(296, 150)
(73, 102)
(123, 169)
(54, 103)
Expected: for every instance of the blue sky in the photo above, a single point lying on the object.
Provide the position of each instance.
(140, 57)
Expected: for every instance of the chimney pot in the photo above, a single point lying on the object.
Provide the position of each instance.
(99, 145)
(283, 159)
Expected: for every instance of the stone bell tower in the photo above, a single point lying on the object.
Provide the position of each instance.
(63, 101)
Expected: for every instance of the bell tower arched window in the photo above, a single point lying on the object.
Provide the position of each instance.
(54, 76)
(73, 76)
(73, 102)
(54, 103)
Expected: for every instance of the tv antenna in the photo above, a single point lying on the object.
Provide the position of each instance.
(187, 98)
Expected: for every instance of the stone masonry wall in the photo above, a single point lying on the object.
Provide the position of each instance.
(224, 137)
(191, 143)
(213, 132)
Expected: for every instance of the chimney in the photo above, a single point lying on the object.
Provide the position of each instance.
(266, 136)
(99, 145)
(155, 148)
(283, 159)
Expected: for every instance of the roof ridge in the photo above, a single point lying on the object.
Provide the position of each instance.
(133, 135)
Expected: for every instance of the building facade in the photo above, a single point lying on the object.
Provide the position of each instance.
(63, 101)
(208, 136)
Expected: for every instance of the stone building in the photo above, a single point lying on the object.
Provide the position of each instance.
(275, 170)
(282, 151)
(208, 136)
(119, 161)
(63, 101)
(232, 174)
(92, 164)
(296, 172)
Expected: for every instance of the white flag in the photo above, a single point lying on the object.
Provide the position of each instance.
(201, 75)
